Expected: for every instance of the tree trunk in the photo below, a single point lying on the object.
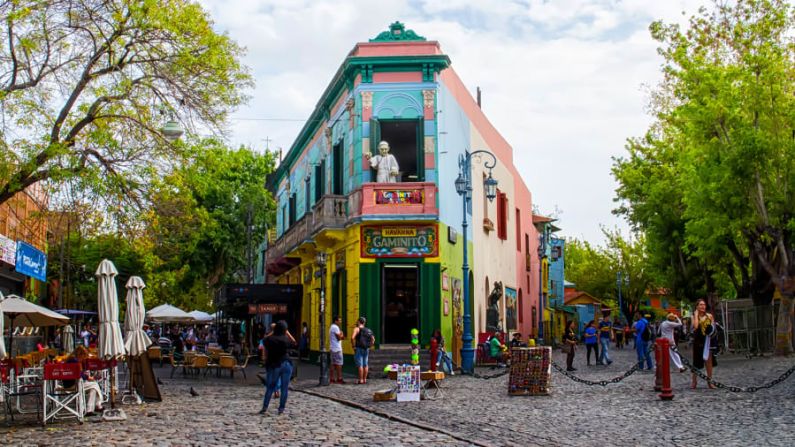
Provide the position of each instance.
(786, 314)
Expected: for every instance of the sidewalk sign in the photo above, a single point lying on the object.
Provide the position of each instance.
(408, 383)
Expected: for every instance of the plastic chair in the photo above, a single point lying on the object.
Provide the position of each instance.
(66, 402)
(242, 368)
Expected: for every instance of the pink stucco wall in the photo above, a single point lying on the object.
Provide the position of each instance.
(522, 197)
(408, 76)
(396, 48)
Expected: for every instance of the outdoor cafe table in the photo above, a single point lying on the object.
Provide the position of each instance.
(432, 379)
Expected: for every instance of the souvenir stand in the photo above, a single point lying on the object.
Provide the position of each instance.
(531, 371)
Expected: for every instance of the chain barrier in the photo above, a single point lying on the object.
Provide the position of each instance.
(481, 376)
(733, 389)
(604, 382)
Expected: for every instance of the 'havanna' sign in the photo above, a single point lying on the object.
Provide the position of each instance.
(404, 241)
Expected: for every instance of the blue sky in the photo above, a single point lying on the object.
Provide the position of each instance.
(565, 81)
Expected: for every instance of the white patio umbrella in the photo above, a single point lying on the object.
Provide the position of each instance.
(68, 338)
(111, 344)
(166, 313)
(200, 317)
(18, 311)
(135, 341)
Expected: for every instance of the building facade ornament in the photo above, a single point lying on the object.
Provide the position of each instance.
(427, 98)
(397, 31)
(367, 100)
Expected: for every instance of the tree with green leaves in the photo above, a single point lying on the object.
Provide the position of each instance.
(84, 84)
(197, 225)
(727, 127)
(595, 269)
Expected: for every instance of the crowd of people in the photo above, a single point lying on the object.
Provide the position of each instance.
(701, 331)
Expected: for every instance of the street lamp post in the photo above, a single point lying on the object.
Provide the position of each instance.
(320, 260)
(463, 185)
(542, 253)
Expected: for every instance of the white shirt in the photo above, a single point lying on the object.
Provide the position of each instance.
(334, 341)
(667, 328)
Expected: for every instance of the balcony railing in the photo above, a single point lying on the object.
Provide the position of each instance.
(407, 198)
(334, 211)
(330, 212)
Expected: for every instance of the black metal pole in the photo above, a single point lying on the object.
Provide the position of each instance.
(324, 360)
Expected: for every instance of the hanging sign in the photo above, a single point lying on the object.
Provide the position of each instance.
(267, 309)
(31, 262)
(408, 383)
(404, 241)
(8, 250)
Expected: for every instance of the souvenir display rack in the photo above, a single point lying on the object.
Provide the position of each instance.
(531, 371)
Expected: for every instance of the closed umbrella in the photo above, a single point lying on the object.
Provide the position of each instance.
(68, 338)
(136, 341)
(111, 345)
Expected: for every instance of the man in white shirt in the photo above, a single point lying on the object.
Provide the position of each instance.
(335, 335)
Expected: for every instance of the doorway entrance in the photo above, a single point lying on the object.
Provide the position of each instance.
(400, 294)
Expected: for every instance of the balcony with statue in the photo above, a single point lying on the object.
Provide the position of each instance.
(398, 190)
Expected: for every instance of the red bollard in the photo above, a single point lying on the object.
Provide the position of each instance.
(658, 370)
(664, 368)
(434, 353)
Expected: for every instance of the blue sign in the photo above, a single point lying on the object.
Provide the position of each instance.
(31, 262)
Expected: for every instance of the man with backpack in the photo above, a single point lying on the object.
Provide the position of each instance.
(642, 339)
(362, 340)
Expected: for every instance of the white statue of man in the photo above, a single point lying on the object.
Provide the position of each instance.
(384, 163)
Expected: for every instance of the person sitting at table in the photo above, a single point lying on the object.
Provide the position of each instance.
(497, 350)
(92, 392)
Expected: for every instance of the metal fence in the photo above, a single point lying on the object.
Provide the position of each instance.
(749, 329)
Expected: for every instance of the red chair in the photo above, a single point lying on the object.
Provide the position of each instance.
(66, 402)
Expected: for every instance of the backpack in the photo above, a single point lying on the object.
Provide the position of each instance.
(365, 338)
(646, 334)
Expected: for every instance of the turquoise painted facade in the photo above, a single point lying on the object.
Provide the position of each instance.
(404, 92)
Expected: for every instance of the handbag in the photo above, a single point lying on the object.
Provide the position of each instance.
(566, 348)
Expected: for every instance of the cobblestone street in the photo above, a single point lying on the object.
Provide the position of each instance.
(473, 411)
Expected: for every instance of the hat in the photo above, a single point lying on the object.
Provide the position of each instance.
(647, 316)
(671, 316)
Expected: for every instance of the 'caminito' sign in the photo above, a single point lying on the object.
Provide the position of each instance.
(404, 241)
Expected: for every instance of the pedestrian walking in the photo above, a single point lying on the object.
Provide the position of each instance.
(303, 345)
(605, 336)
(703, 328)
(362, 340)
(618, 331)
(335, 335)
(667, 329)
(277, 365)
(590, 337)
(570, 344)
(441, 355)
(642, 338)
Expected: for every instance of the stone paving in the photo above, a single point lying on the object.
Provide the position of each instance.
(473, 411)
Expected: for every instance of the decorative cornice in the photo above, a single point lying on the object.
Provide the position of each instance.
(397, 32)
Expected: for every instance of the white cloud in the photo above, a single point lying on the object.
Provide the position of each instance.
(561, 79)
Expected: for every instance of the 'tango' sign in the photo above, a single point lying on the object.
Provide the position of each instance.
(404, 241)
